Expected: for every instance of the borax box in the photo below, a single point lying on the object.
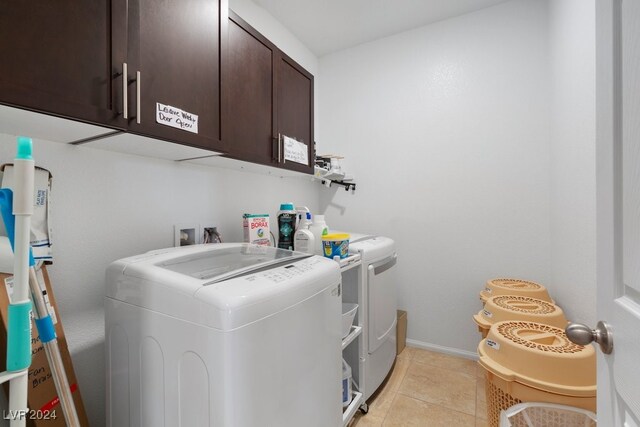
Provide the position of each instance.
(256, 229)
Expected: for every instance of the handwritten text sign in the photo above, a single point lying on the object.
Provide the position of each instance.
(177, 118)
(295, 151)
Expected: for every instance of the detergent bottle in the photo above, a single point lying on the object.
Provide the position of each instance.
(286, 225)
(346, 384)
(319, 228)
(304, 240)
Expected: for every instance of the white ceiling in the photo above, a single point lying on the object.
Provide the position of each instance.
(326, 26)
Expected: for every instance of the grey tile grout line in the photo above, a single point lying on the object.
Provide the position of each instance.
(476, 380)
(440, 367)
(395, 393)
(411, 359)
(395, 396)
(475, 385)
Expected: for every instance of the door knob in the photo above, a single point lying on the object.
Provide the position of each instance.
(583, 335)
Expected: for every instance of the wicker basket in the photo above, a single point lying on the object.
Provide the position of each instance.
(533, 362)
(511, 307)
(517, 287)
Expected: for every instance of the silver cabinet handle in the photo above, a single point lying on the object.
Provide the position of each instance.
(279, 147)
(125, 84)
(584, 335)
(138, 97)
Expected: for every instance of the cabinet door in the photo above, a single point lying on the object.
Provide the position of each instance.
(174, 60)
(294, 111)
(248, 126)
(56, 58)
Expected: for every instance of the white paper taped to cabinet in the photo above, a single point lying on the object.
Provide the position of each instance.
(295, 151)
(40, 220)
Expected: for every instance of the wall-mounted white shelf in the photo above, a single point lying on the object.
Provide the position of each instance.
(332, 175)
(350, 411)
(354, 345)
(329, 177)
(241, 165)
(15, 121)
(349, 262)
(355, 332)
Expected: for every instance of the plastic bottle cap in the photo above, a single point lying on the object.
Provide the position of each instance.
(308, 216)
(286, 207)
(25, 148)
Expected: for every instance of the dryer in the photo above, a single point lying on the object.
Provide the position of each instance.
(379, 275)
(234, 335)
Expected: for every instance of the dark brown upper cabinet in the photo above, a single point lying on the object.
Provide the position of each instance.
(294, 111)
(56, 57)
(266, 96)
(144, 66)
(247, 83)
(171, 51)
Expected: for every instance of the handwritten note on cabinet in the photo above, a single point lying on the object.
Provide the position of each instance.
(295, 151)
(177, 118)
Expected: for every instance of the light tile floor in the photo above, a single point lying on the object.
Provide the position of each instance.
(428, 389)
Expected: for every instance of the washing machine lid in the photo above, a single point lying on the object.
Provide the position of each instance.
(357, 237)
(372, 248)
(223, 286)
(226, 262)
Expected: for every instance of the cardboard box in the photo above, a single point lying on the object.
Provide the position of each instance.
(42, 390)
(256, 229)
(401, 331)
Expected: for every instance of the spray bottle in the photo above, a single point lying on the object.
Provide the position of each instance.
(303, 239)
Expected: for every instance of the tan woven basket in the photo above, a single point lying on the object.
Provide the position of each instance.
(524, 288)
(533, 362)
(512, 307)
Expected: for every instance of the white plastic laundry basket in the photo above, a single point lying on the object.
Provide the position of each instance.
(534, 414)
(348, 315)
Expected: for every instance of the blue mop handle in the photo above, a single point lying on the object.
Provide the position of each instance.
(18, 315)
(45, 326)
(6, 209)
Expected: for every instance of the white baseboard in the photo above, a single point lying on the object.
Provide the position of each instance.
(442, 349)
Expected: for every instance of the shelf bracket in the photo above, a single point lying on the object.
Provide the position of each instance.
(347, 185)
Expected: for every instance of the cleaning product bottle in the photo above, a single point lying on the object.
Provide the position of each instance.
(346, 384)
(303, 239)
(286, 225)
(319, 228)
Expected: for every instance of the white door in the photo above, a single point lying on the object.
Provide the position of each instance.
(618, 207)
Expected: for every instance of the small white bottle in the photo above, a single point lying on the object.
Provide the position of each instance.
(319, 228)
(347, 393)
(303, 239)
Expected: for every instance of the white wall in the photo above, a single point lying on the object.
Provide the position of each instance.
(573, 218)
(446, 130)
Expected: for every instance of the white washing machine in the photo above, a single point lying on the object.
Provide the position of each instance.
(380, 284)
(232, 335)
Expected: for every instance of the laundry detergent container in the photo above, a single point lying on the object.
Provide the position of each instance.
(533, 362)
(518, 287)
(512, 307)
